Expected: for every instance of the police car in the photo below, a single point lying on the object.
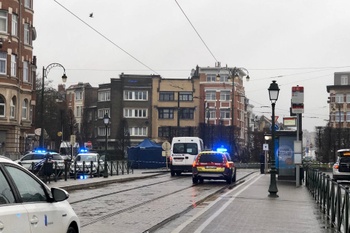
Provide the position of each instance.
(213, 165)
(87, 163)
(28, 205)
(34, 160)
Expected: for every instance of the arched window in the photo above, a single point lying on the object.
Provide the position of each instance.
(13, 107)
(25, 109)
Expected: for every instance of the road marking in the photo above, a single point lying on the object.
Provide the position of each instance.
(209, 220)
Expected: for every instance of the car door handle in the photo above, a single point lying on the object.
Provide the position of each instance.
(34, 220)
(1, 226)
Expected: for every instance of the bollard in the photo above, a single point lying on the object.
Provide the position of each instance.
(91, 167)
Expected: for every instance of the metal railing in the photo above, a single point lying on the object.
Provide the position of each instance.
(70, 170)
(332, 198)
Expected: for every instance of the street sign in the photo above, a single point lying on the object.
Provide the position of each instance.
(297, 99)
(166, 145)
(265, 146)
(72, 139)
(166, 153)
(276, 127)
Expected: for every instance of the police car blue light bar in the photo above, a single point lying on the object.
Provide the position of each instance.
(83, 150)
(221, 149)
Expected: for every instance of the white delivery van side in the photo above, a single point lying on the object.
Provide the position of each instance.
(183, 151)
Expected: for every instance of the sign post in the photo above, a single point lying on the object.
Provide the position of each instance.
(166, 153)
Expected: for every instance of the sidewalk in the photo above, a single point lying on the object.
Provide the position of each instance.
(249, 209)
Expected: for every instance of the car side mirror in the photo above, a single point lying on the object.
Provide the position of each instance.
(59, 194)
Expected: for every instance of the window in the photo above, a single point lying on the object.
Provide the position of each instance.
(186, 96)
(212, 114)
(347, 98)
(13, 108)
(3, 21)
(101, 112)
(135, 95)
(102, 131)
(164, 131)
(28, 3)
(225, 95)
(104, 96)
(14, 29)
(2, 107)
(78, 95)
(224, 78)
(225, 113)
(210, 95)
(29, 189)
(135, 113)
(347, 116)
(25, 109)
(211, 77)
(25, 72)
(13, 65)
(3, 64)
(166, 113)
(79, 110)
(344, 79)
(26, 34)
(138, 131)
(166, 96)
(339, 116)
(6, 193)
(187, 113)
(339, 98)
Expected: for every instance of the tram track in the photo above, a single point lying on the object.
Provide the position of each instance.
(166, 195)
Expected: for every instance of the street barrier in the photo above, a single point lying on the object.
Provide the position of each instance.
(332, 198)
(48, 171)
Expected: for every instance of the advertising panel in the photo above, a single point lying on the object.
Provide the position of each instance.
(286, 166)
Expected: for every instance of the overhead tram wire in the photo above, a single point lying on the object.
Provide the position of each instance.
(105, 37)
(196, 31)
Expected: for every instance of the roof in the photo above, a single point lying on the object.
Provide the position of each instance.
(147, 143)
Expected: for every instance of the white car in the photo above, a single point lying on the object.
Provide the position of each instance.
(341, 168)
(28, 205)
(81, 165)
(37, 157)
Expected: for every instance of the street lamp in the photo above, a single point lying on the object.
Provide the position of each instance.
(273, 93)
(44, 75)
(106, 122)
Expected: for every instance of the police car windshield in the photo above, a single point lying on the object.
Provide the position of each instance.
(211, 158)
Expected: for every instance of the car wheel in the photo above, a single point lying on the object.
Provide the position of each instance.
(201, 180)
(172, 173)
(194, 180)
(178, 173)
(71, 230)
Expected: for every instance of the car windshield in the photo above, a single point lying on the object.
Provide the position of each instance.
(87, 158)
(186, 148)
(211, 158)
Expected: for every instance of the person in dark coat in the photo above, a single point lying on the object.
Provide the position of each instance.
(262, 163)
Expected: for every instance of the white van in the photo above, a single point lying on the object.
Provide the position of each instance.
(183, 151)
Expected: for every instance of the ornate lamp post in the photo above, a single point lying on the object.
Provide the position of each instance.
(106, 122)
(273, 93)
(45, 73)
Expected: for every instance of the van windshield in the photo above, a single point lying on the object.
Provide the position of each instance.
(185, 148)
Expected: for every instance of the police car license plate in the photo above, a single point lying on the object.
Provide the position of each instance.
(210, 167)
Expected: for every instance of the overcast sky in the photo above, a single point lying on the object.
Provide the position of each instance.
(298, 42)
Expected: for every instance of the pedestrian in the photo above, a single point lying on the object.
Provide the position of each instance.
(262, 163)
